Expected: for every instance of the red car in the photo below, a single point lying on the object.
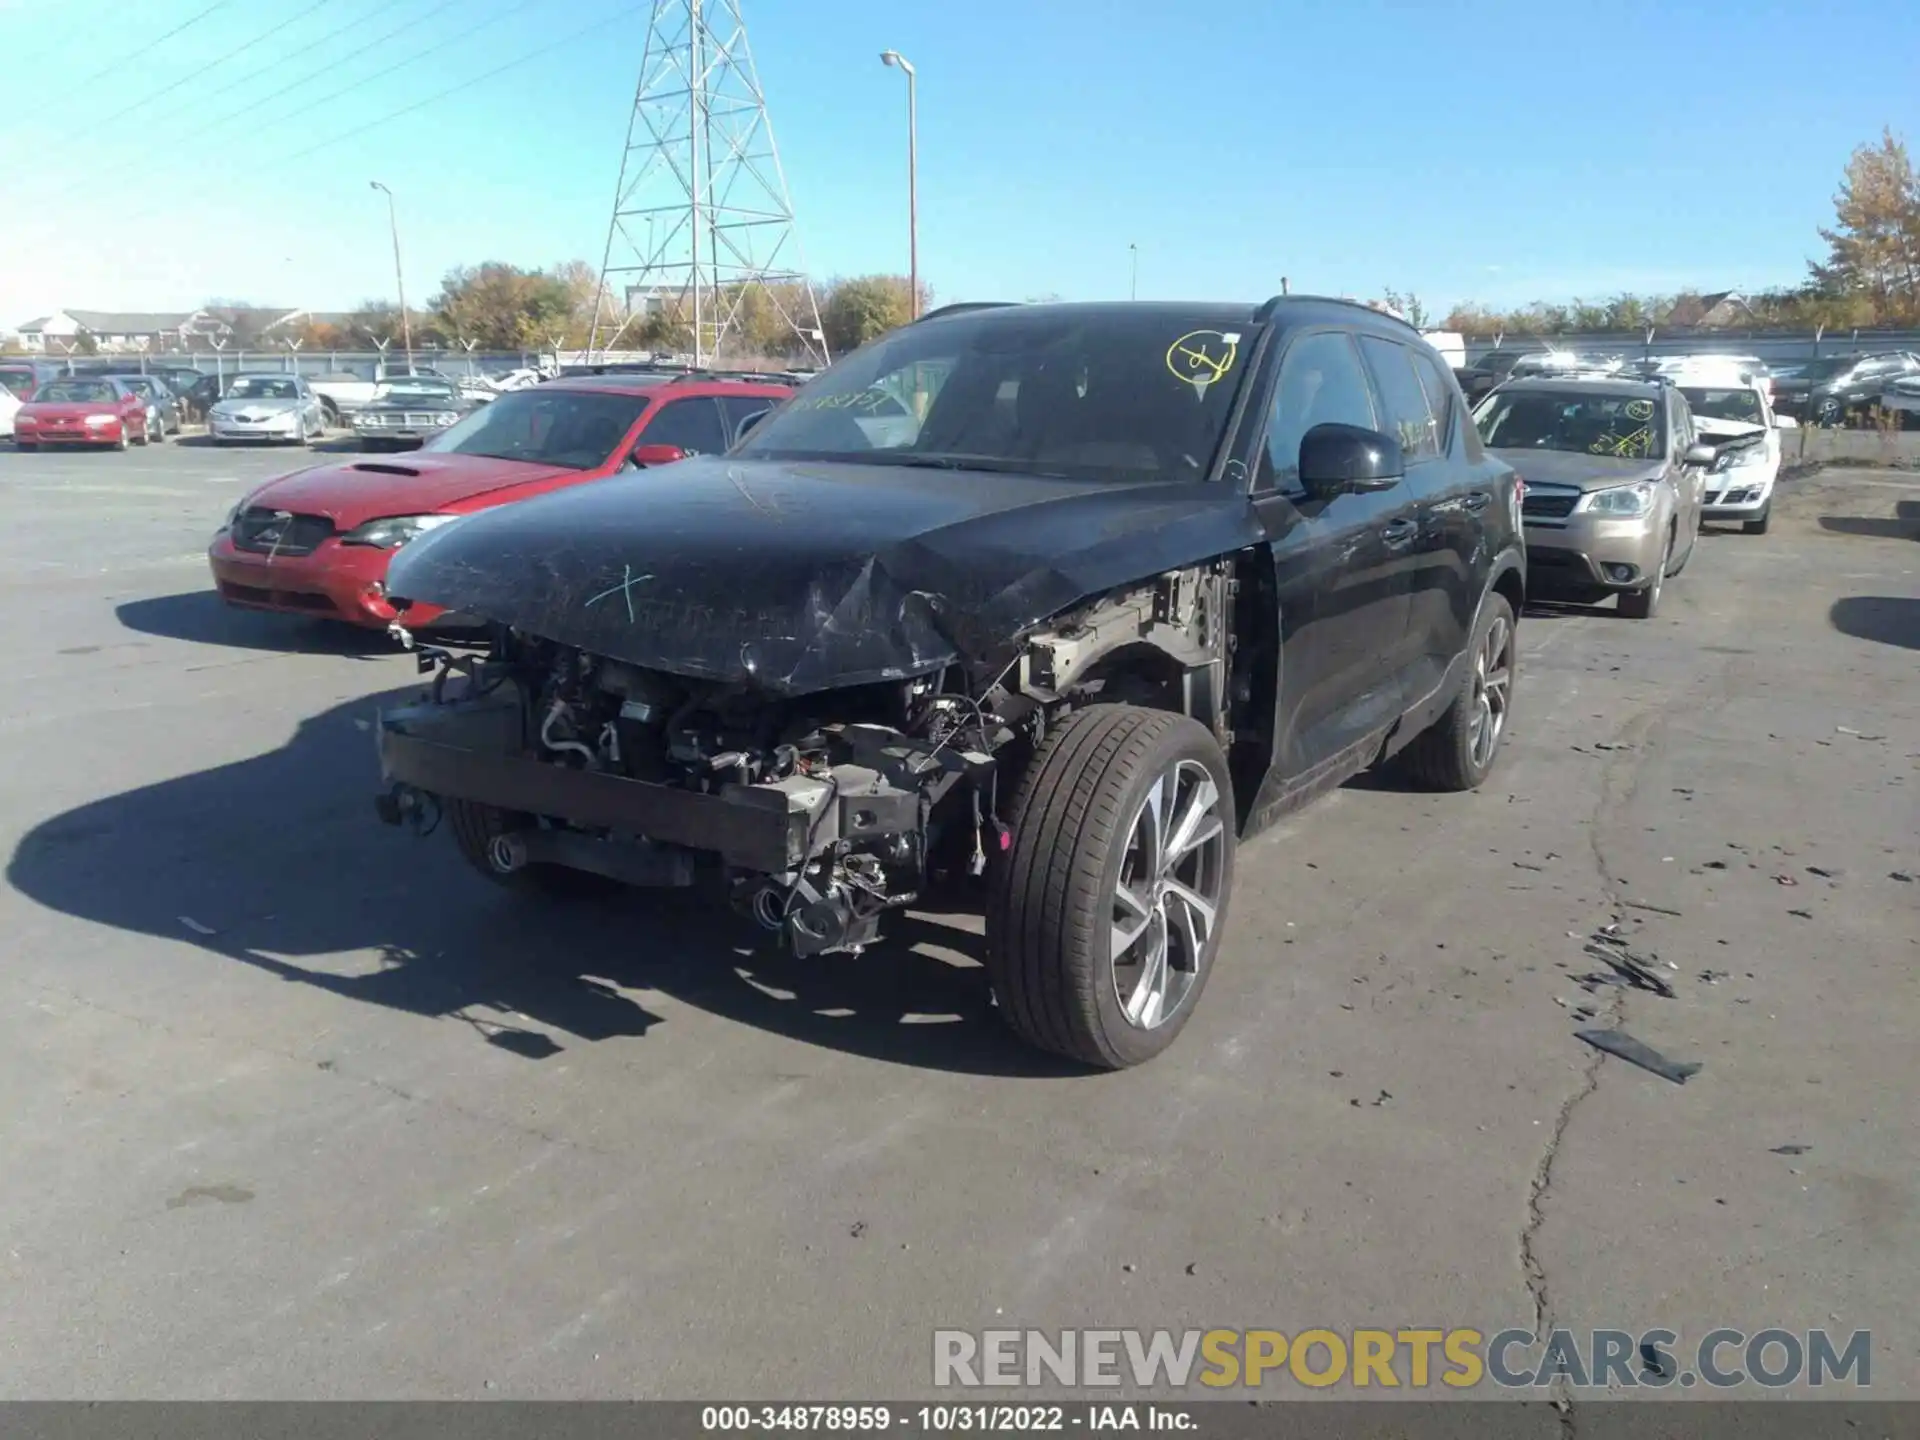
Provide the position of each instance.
(317, 542)
(81, 410)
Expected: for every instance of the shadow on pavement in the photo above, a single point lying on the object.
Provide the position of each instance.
(280, 856)
(1903, 524)
(200, 616)
(1889, 619)
(332, 445)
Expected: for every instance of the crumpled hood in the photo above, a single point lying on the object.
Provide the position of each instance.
(1587, 472)
(418, 484)
(1719, 429)
(797, 577)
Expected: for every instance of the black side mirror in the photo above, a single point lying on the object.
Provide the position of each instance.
(1336, 459)
(1698, 454)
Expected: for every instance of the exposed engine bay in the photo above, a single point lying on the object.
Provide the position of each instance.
(818, 812)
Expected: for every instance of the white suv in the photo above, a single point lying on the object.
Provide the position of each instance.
(1732, 410)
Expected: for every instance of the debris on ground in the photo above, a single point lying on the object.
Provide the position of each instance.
(197, 928)
(1635, 970)
(1823, 874)
(1790, 1149)
(1623, 1046)
(857, 1229)
(1656, 909)
(1714, 977)
(1785, 880)
(1801, 914)
(1901, 876)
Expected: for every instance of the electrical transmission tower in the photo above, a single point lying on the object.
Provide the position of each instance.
(702, 223)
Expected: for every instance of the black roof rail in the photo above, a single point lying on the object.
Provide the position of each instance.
(1265, 312)
(962, 307)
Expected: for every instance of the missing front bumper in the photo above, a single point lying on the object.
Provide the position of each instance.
(750, 828)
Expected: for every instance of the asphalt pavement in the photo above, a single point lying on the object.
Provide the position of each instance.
(294, 1106)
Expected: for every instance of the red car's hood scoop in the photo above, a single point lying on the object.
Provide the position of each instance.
(360, 490)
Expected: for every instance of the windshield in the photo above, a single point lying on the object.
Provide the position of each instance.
(262, 387)
(546, 427)
(1584, 423)
(139, 384)
(1133, 394)
(1827, 369)
(69, 392)
(414, 389)
(1736, 404)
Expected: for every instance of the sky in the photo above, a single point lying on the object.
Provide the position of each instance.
(1496, 152)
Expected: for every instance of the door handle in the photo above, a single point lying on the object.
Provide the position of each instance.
(1399, 532)
(1478, 500)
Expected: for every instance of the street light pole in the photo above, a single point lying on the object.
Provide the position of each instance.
(1133, 279)
(399, 283)
(895, 58)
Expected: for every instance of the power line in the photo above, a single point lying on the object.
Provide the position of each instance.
(189, 79)
(283, 91)
(469, 84)
(78, 86)
(417, 56)
(147, 211)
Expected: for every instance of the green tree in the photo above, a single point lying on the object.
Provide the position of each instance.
(502, 307)
(375, 320)
(1873, 248)
(857, 310)
(1407, 306)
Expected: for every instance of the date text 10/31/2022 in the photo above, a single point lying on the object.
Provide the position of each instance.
(948, 1419)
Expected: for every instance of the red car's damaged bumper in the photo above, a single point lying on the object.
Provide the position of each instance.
(333, 582)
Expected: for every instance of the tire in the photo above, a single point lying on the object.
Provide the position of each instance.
(125, 442)
(158, 437)
(1644, 604)
(475, 827)
(1457, 752)
(1082, 825)
(1758, 525)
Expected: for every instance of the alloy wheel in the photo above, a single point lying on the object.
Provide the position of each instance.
(1167, 899)
(1492, 692)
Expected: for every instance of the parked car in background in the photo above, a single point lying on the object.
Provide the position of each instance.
(1732, 411)
(1709, 363)
(1614, 483)
(81, 410)
(163, 406)
(267, 407)
(317, 542)
(409, 410)
(20, 377)
(1488, 371)
(1139, 580)
(343, 393)
(1827, 391)
(1902, 398)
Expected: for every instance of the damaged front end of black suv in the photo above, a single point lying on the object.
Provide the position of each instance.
(818, 811)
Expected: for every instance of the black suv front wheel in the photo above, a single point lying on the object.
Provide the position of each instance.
(1107, 912)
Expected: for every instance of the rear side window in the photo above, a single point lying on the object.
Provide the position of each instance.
(1440, 387)
(741, 408)
(692, 424)
(1408, 418)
